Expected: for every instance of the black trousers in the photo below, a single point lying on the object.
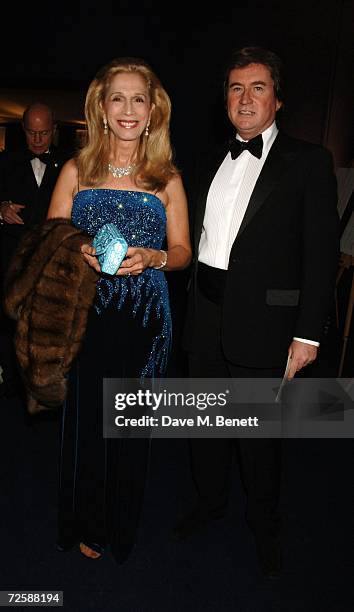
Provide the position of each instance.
(211, 459)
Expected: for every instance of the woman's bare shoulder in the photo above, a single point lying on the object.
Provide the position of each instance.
(175, 189)
(70, 168)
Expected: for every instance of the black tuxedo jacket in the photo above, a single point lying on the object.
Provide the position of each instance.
(18, 184)
(282, 267)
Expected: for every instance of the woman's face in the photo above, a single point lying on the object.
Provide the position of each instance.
(127, 106)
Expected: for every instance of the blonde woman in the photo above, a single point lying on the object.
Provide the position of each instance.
(123, 175)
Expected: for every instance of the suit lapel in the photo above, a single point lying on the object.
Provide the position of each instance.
(278, 160)
(51, 171)
(281, 155)
(28, 173)
(46, 177)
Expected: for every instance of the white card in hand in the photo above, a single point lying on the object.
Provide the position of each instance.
(284, 381)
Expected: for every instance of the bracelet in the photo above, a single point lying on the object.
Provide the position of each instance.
(164, 261)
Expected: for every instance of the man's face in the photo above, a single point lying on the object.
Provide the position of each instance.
(251, 100)
(39, 130)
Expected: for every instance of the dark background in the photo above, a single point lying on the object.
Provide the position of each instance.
(62, 45)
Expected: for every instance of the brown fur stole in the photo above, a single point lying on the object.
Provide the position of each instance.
(49, 291)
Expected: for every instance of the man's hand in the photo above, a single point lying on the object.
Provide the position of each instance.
(10, 213)
(301, 354)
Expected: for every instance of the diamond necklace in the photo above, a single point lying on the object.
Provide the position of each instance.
(119, 172)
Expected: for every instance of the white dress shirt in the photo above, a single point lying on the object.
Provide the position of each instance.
(38, 168)
(227, 201)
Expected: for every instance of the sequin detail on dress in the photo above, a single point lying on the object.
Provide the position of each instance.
(141, 218)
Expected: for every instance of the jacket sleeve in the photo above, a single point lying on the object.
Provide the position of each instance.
(320, 246)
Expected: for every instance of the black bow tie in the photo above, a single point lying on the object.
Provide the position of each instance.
(44, 157)
(254, 146)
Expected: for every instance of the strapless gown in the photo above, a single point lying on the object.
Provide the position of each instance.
(102, 481)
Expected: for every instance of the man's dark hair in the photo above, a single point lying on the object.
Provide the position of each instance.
(257, 55)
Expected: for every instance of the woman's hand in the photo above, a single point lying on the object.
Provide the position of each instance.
(137, 260)
(89, 254)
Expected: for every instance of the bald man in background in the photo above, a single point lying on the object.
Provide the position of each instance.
(27, 179)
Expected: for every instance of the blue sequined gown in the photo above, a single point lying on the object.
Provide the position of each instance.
(128, 334)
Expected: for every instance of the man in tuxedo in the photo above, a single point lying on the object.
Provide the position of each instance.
(27, 179)
(266, 251)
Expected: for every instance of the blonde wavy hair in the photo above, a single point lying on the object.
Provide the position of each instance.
(154, 167)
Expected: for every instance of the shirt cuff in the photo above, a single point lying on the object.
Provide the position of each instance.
(313, 342)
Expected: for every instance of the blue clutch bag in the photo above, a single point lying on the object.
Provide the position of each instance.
(111, 248)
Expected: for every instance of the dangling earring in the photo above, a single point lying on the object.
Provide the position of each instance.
(147, 130)
(105, 128)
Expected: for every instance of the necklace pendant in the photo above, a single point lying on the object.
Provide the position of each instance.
(119, 172)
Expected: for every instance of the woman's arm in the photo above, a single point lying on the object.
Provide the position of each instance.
(179, 250)
(65, 188)
(178, 237)
(62, 202)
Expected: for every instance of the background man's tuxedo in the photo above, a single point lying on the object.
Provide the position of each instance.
(283, 262)
(18, 184)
